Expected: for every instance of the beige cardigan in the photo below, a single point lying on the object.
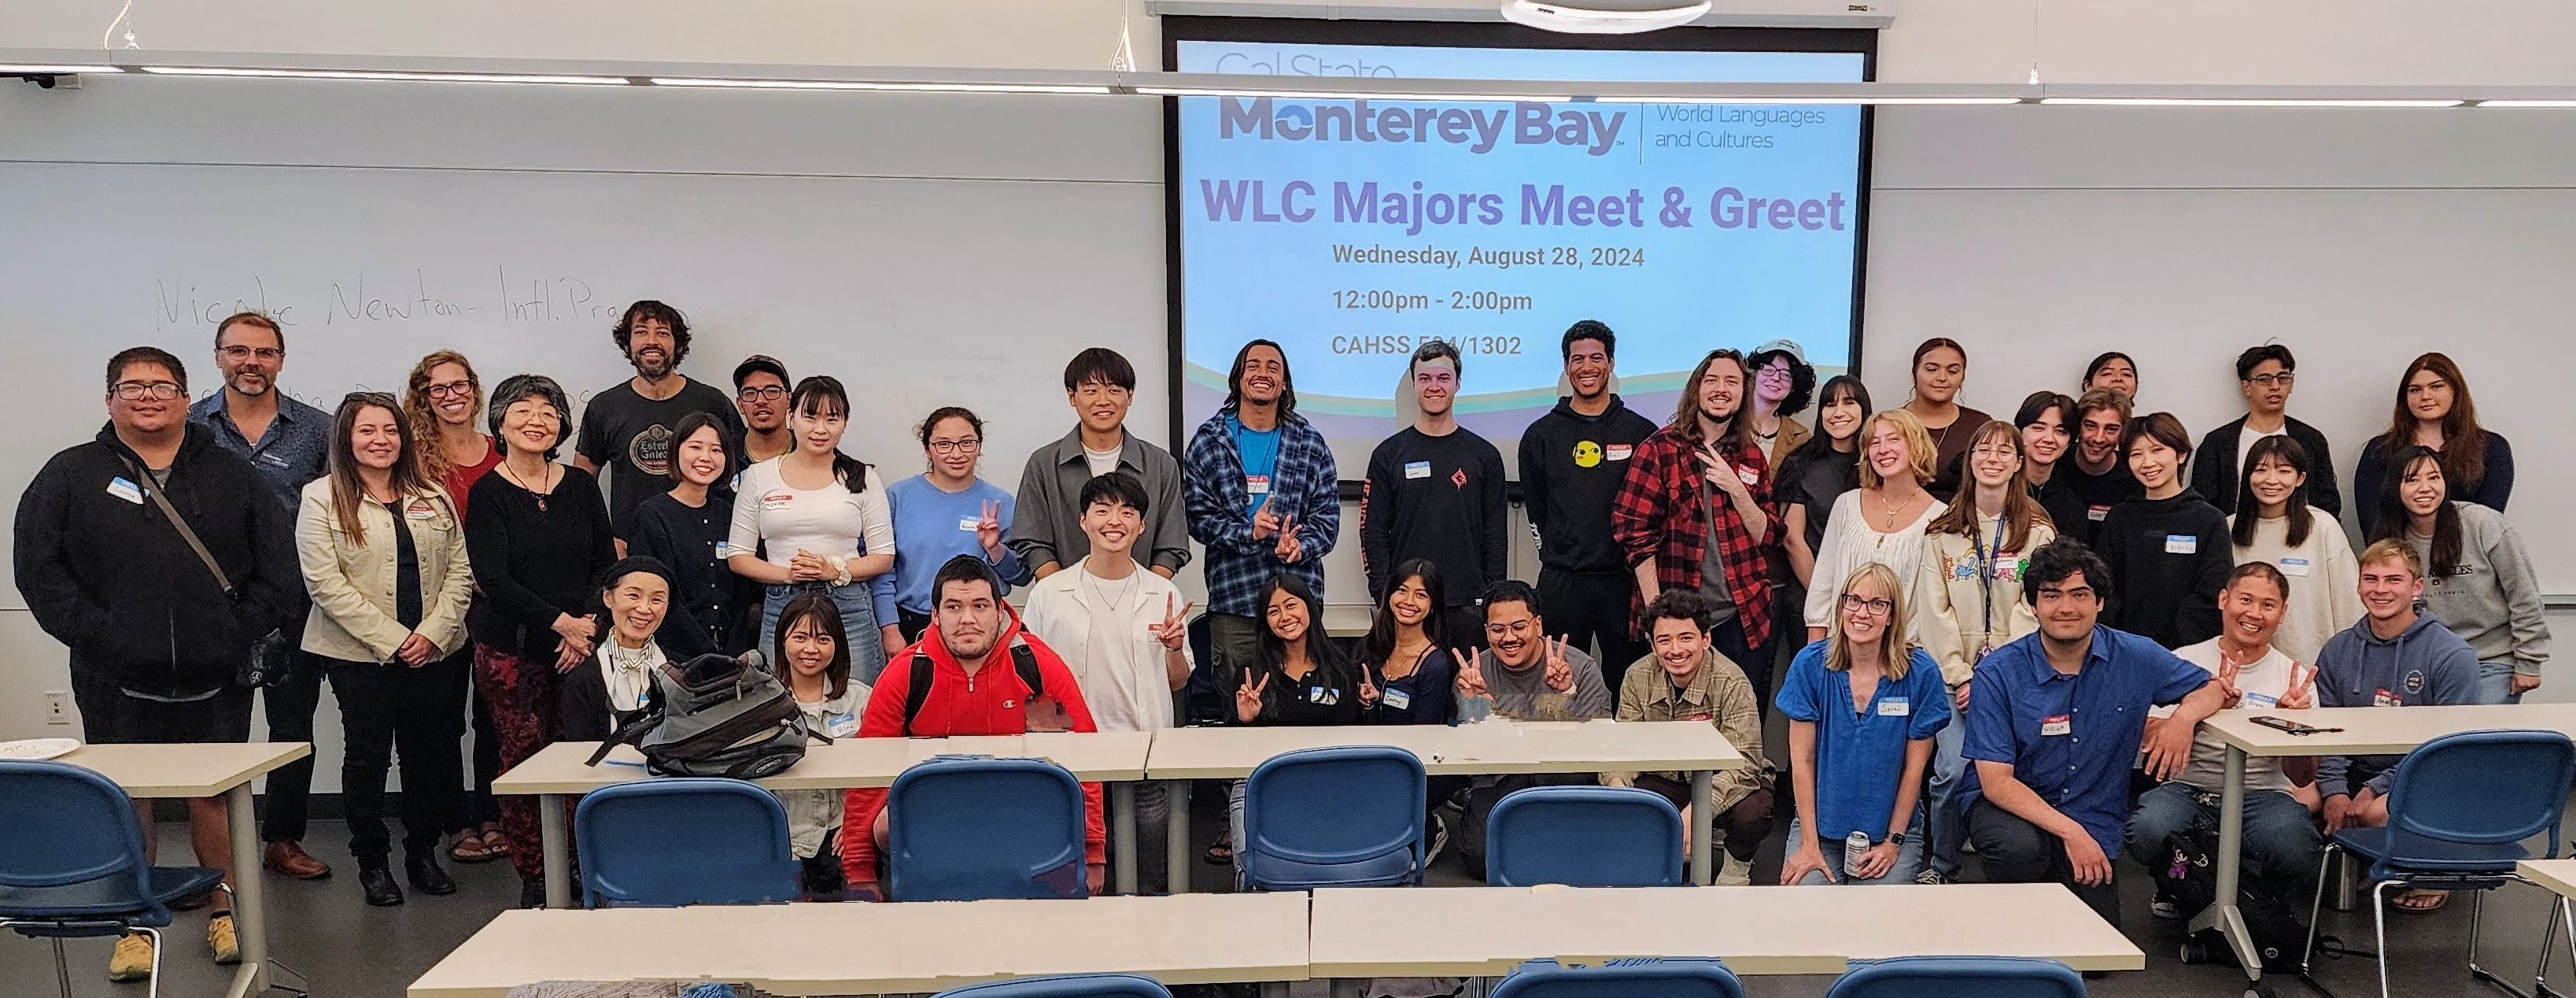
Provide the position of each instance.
(352, 584)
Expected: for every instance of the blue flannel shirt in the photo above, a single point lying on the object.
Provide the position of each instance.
(1304, 484)
(2073, 739)
(295, 450)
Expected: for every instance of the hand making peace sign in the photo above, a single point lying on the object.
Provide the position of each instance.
(1247, 698)
(1471, 680)
(1175, 627)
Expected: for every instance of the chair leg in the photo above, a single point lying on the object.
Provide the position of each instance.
(155, 936)
(2548, 948)
(62, 969)
(2379, 929)
(2316, 908)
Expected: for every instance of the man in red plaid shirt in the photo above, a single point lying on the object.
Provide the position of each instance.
(1695, 513)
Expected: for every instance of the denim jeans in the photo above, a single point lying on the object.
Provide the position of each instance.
(2281, 847)
(2495, 682)
(858, 618)
(1909, 859)
(1948, 825)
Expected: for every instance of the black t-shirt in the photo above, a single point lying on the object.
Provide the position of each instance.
(1328, 695)
(1439, 498)
(2096, 494)
(1813, 483)
(628, 437)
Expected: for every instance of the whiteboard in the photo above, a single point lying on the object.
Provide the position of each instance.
(915, 292)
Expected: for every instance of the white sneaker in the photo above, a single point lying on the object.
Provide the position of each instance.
(1733, 872)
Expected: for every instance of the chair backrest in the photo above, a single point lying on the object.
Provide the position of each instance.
(1070, 986)
(967, 828)
(682, 840)
(61, 825)
(2484, 787)
(1636, 977)
(1584, 837)
(1959, 977)
(1341, 816)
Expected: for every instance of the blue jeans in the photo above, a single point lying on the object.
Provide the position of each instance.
(1948, 826)
(2281, 842)
(1909, 858)
(2495, 682)
(858, 619)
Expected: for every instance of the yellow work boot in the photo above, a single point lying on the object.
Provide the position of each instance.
(221, 938)
(132, 960)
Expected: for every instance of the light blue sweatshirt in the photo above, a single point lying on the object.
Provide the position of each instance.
(930, 527)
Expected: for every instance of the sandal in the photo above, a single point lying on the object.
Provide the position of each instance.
(2421, 902)
(470, 848)
(1220, 852)
(494, 840)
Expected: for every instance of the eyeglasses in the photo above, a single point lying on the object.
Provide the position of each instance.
(1773, 371)
(238, 353)
(136, 391)
(955, 446)
(1993, 451)
(453, 389)
(1874, 607)
(2282, 379)
(764, 393)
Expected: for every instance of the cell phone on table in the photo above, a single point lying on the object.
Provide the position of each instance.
(2293, 727)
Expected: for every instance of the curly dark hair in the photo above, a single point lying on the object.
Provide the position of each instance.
(658, 312)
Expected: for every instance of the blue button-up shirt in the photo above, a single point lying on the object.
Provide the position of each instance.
(2072, 739)
(1860, 754)
(295, 450)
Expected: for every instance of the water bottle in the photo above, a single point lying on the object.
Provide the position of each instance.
(1855, 848)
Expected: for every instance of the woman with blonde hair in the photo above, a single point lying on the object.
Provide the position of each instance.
(1863, 705)
(1882, 521)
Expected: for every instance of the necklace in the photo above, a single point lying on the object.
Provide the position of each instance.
(513, 478)
(1893, 506)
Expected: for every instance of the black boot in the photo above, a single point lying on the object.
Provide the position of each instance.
(376, 878)
(426, 876)
(532, 892)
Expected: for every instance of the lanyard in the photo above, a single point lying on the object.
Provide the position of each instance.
(1985, 553)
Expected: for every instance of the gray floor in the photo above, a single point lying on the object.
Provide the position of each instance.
(348, 949)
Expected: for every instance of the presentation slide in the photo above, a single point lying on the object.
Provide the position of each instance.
(1352, 231)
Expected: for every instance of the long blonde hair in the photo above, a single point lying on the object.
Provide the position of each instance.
(1893, 645)
(1918, 444)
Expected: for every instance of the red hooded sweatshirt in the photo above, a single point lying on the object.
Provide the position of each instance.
(993, 702)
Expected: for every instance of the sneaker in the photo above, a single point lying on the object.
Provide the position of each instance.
(1930, 877)
(1439, 839)
(2165, 907)
(221, 938)
(132, 959)
(1733, 872)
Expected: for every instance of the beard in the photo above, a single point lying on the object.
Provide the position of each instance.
(654, 366)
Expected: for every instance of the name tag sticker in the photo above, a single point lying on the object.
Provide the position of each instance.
(2008, 568)
(2096, 513)
(1618, 452)
(2259, 700)
(2181, 544)
(1895, 707)
(2383, 698)
(1258, 485)
(1398, 699)
(1417, 469)
(1748, 476)
(1322, 695)
(420, 509)
(776, 500)
(968, 523)
(272, 459)
(2295, 566)
(125, 490)
(841, 725)
(2056, 724)
(724, 550)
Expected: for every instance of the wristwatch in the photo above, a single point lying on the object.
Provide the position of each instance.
(1896, 839)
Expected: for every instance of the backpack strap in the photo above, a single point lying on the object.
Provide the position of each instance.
(1024, 660)
(919, 692)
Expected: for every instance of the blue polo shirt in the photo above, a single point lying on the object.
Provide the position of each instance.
(2073, 739)
(1860, 755)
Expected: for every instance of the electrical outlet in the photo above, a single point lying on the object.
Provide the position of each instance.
(58, 707)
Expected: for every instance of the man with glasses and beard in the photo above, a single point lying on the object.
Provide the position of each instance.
(627, 429)
(760, 389)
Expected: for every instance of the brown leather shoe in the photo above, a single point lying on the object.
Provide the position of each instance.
(290, 859)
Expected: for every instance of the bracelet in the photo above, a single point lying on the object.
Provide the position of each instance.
(841, 569)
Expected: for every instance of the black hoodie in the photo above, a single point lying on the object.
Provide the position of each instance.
(2168, 558)
(1571, 465)
(105, 573)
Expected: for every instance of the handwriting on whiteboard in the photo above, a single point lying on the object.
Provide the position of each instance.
(370, 297)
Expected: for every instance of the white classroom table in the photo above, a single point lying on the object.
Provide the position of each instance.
(893, 948)
(1113, 757)
(223, 770)
(1488, 748)
(1486, 931)
(2366, 731)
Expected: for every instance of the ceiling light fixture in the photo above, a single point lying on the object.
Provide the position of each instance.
(1962, 101)
(51, 69)
(886, 85)
(2525, 103)
(1354, 95)
(374, 74)
(2250, 102)
(1602, 17)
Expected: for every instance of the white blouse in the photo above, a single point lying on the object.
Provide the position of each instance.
(830, 521)
(1851, 542)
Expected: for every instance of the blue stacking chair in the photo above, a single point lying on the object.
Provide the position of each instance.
(1635, 977)
(1069, 986)
(72, 864)
(683, 840)
(1347, 816)
(967, 828)
(2459, 808)
(1959, 977)
(1584, 837)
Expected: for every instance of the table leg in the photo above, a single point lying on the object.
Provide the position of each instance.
(1122, 836)
(2224, 915)
(1703, 827)
(250, 903)
(1349, 987)
(1176, 851)
(1274, 989)
(558, 851)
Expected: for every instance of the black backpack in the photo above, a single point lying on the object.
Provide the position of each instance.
(716, 716)
(1023, 661)
(2274, 924)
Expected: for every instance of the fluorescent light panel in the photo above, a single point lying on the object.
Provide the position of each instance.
(1314, 95)
(2525, 103)
(1809, 100)
(371, 74)
(47, 69)
(2247, 102)
(911, 87)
